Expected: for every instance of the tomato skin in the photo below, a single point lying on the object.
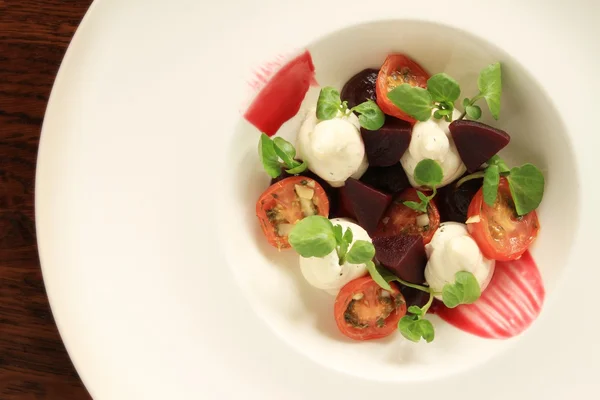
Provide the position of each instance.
(369, 288)
(400, 219)
(282, 194)
(396, 62)
(516, 242)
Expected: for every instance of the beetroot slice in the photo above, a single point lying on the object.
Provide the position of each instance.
(453, 203)
(390, 179)
(404, 255)
(344, 205)
(385, 146)
(368, 204)
(360, 87)
(477, 142)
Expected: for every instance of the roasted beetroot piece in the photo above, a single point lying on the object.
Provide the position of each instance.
(360, 87)
(390, 179)
(453, 202)
(413, 297)
(344, 208)
(385, 146)
(368, 204)
(404, 255)
(477, 142)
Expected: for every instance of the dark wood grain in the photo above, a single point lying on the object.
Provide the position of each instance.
(34, 35)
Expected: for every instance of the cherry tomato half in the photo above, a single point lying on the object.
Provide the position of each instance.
(363, 310)
(396, 70)
(286, 202)
(400, 219)
(501, 234)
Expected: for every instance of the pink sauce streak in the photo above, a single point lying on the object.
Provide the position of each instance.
(508, 306)
(282, 92)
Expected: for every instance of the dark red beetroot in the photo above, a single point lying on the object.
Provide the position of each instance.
(345, 207)
(477, 142)
(368, 203)
(360, 87)
(413, 297)
(404, 255)
(385, 146)
(390, 179)
(453, 202)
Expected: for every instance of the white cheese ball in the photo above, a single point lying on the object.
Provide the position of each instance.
(333, 149)
(432, 139)
(451, 250)
(326, 273)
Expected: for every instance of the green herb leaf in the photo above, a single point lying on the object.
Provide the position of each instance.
(423, 196)
(337, 232)
(490, 87)
(428, 172)
(496, 160)
(415, 310)
(414, 328)
(420, 207)
(360, 252)
(285, 151)
(371, 117)
(527, 187)
(329, 103)
(474, 112)
(374, 272)
(268, 156)
(443, 88)
(491, 180)
(466, 102)
(348, 236)
(464, 290)
(298, 169)
(414, 101)
(313, 237)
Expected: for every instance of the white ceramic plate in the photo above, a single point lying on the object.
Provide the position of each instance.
(160, 282)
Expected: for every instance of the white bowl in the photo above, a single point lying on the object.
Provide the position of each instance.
(303, 315)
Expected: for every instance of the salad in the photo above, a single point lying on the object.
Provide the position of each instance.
(397, 203)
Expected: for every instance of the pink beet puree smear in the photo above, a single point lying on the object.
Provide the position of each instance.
(282, 95)
(511, 302)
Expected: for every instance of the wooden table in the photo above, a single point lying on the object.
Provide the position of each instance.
(34, 35)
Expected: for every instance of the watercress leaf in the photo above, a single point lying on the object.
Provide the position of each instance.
(337, 232)
(445, 112)
(427, 331)
(437, 114)
(409, 328)
(496, 160)
(416, 206)
(361, 252)
(428, 172)
(285, 151)
(424, 198)
(370, 115)
(374, 272)
(464, 290)
(466, 102)
(414, 101)
(348, 236)
(443, 88)
(328, 103)
(527, 187)
(268, 156)
(474, 112)
(313, 237)
(490, 87)
(416, 310)
(301, 167)
(491, 180)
